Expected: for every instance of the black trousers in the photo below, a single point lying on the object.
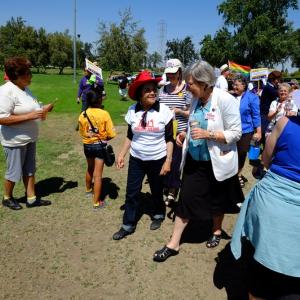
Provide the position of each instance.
(137, 170)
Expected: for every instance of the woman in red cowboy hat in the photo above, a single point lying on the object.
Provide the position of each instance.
(150, 143)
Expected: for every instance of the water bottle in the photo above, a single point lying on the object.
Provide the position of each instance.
(193, 123)
(288, 106)
(254, 150)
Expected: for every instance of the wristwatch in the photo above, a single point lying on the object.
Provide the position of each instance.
(212, 135)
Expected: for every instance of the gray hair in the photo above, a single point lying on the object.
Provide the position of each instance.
(242, 80)
(201, 71)
(286, 85)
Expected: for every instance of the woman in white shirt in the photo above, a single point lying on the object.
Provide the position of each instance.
(210, 186)
(150, 143)
(283, 106)
(19, 111)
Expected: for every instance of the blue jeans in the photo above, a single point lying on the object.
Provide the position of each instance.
(137, 170)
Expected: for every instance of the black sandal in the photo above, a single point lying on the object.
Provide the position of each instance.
(214, 241)
(164, 253)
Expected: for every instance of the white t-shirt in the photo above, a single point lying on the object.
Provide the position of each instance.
(149, 143)
(14, 101)
(281, 113)
(222, 83)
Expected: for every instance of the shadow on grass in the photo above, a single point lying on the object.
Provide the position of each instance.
(232, 274)
(53, 185)
(109, 189)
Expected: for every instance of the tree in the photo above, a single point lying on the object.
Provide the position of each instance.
(296, 51)
(260, 32)
(184, 50)
(122, 46)
(60, 46)
(217, 50)
(154, 60)
(43, 52)
(17, 39)
(139, 50)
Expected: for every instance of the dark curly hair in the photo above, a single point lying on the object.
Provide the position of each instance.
(16, 66)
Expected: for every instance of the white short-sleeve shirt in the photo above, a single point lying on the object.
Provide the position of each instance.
(14, 101)
(281, 113)
(222, 83)
(148, 143)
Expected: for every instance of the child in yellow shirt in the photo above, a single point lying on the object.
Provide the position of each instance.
(92, 138)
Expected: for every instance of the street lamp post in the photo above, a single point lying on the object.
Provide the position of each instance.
(74, 45)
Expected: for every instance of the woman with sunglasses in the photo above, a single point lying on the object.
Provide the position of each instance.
(150, 143)
(19, 112)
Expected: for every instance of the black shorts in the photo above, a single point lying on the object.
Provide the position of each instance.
(93, 150)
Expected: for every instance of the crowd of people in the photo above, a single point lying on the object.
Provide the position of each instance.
(189, 135)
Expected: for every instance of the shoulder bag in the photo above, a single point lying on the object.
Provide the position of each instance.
(107, 150)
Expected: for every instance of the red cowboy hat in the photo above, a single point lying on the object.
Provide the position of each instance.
(142, 78)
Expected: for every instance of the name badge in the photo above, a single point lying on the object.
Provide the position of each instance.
(210, 116)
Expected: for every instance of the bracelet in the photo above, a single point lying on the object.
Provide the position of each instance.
(168, 158)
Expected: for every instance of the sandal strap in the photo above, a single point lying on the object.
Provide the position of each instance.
(214, 240)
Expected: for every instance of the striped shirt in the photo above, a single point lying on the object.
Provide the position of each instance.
(180, 100)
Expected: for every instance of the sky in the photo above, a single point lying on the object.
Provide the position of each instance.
(195, 18)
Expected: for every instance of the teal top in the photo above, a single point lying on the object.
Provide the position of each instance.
(270, 220)
(198, 148)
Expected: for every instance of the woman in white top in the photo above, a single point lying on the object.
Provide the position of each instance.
(150, 143)
(283, 106)
(210, 185)
(19, 111)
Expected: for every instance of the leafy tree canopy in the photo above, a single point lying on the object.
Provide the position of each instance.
(258, 32)
(122, 46)
(184, 50)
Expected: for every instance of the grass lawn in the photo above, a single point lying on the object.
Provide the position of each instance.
(48, 87)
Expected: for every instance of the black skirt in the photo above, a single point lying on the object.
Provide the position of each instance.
(202, 196)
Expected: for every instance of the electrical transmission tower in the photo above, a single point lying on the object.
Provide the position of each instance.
(162, 39)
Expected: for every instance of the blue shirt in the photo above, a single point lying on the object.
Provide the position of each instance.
(250, 112)
(286, 161)
(198, 148)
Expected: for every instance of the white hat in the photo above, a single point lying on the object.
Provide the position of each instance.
(224, 68)
(173, 65)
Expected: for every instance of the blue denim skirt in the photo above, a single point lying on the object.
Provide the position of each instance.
(93, 150)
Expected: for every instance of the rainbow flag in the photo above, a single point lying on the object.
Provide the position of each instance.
(244, 70)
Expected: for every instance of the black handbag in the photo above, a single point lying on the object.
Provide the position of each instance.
(107, 150)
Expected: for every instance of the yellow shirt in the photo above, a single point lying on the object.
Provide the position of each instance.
(100, 120)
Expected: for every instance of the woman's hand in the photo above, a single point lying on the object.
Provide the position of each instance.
(199, 133)
(120, 161)
(166, 167)
(48, 107)
(180, 138)
(36, 114)
(257, 136)
(291, 113)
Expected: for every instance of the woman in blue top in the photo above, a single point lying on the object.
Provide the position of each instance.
(210, 186)
(250, 118)
(270, 217)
